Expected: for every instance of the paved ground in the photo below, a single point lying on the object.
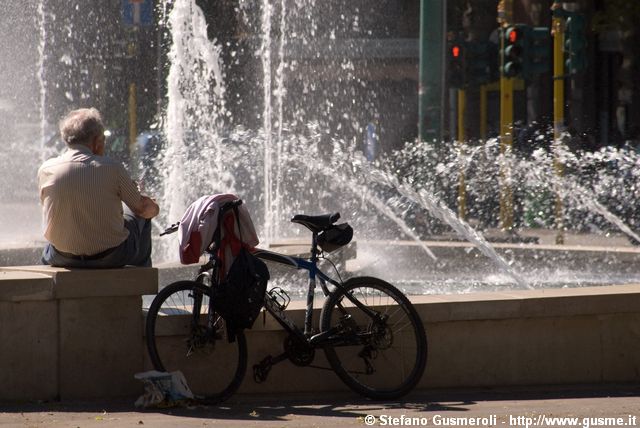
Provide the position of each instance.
(591, 406)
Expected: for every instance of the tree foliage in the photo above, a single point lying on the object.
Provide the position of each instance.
(620, 15)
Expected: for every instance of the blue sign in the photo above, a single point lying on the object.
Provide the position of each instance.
(137, 12)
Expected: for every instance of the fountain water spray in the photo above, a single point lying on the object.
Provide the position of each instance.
(573, 191)
(362, 191)
(276, 164)
(196, 109)
(445, 214)
(42, 45)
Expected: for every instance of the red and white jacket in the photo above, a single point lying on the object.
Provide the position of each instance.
(199, 223)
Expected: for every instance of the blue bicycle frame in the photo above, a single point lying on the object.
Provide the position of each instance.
(311, 266)
(299, 263)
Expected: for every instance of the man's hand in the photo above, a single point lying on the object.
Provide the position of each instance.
(146, 208)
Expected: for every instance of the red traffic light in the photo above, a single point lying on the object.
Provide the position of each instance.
(513, 36)
(455, 51)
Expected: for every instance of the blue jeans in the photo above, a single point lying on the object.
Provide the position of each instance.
(135, 250)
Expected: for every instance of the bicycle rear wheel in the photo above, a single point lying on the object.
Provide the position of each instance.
(183, 335)
(380, 357)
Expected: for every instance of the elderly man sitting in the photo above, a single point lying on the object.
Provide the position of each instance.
(82, 193)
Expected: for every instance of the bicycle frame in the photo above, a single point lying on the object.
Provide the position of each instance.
(314, 272)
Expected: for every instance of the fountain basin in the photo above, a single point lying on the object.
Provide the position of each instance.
(539, 337)
(460, 267)
(533, 337)
(463, 268)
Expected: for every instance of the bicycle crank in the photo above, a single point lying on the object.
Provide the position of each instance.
(300, 354)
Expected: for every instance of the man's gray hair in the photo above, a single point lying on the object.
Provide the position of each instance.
(81, 126)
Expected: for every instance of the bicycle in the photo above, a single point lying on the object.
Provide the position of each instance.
(369, 331)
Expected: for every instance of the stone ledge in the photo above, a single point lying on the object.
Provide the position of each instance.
(17, 286)
(81, 283)
(545, 303)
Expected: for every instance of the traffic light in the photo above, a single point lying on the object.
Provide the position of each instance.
(538, 51)
(526, 50)
(481, 65)
(456, 63)
(513, 50)
(470, 62)
(574, 44)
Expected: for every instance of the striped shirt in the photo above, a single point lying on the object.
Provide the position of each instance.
(81, 195)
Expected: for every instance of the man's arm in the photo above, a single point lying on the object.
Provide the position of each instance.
(146, 208)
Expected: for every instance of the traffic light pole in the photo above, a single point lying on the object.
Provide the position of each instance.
(430, 74)
(505, 12)
(558, 111)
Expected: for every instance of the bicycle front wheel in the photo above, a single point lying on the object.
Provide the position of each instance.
(381, 355)
(184, 334)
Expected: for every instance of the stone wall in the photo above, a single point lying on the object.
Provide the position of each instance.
(70, 334)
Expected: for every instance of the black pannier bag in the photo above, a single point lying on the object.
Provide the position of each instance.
(240, 296)
(335, 237)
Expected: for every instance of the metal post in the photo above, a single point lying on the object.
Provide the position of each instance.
(134, 65)
(558, 111)
(432, 30)
(505, 13)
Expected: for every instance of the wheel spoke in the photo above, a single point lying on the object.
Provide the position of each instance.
(179, 339)
(396, 354)
(408, 324)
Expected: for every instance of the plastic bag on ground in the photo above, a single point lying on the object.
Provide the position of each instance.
(162, 389)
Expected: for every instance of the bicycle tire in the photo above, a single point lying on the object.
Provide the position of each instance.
(213, 367)
(378, 352)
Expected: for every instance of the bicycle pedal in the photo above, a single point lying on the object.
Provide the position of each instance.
(262, 369)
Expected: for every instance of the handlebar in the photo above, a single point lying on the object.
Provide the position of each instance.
(171, 229)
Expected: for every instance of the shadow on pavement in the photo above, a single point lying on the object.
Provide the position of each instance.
(341, 405)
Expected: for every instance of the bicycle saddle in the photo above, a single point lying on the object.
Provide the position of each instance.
(316, 223)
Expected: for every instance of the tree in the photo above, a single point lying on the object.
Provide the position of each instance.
(617, 15)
